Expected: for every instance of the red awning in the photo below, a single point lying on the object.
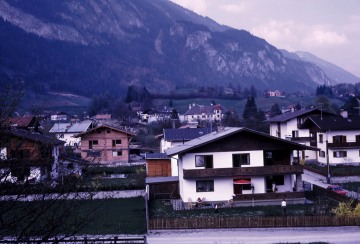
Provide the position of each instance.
(242, 182)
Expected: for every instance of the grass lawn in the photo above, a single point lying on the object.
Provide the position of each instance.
(321, 206)
(106, 216)
(117, 216)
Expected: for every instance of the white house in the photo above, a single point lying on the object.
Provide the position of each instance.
(288, 126)
(337, 137)
(204, 113)
(66, 131)
(238, 164)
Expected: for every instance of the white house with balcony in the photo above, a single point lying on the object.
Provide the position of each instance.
(337, 137)
(288, 126)
(239, 164)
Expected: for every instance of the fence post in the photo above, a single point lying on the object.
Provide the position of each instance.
(115, 239)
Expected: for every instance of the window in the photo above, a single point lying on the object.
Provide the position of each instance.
(295, 133)
(357, 138)
(92, 143)
(339, 139)
(321, 138)
(116, 142)
(108, 131)
(204, 185)
(204, 161)
(340, 154)
(322, 154)
(117, 153)
(241, 159)
(278, 180)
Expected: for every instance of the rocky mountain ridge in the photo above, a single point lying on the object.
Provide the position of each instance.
(93, 46)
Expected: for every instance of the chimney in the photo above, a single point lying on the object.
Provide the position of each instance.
(344, 114)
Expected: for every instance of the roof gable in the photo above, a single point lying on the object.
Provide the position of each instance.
(104, 127)
(36, 137)
(333, 123)
(291, 115)
(230, 140)
(185, 134)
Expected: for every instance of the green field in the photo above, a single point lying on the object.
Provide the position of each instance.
(95, 217)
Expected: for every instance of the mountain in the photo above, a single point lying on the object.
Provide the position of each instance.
(335, 73)
(91, 46)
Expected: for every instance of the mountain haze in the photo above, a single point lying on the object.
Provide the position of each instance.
(335, 73)
(90, 46)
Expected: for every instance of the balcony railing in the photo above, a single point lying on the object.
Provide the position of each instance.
(244, 171)
(299, 138)
(344, 145)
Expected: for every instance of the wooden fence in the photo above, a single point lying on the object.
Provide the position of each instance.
(251, 222)
(82, 240)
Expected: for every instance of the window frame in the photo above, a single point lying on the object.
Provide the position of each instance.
(340, 154)
(208, 186)
(240, 160)
(339, 139)
(92, 143)
(116, 142)
(203, 162)
(117, 153)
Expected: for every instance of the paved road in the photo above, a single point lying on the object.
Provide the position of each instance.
(343, 235)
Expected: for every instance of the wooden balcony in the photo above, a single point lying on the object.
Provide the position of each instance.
(269, 196)
(300, 139)
(244, 171)
(344, 145)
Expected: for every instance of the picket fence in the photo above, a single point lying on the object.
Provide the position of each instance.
(251, 222)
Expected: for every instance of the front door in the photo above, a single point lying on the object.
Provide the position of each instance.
(237, 189)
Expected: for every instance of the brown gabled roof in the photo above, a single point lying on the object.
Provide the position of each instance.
(36, 137)
(104, 126)
(20, 121)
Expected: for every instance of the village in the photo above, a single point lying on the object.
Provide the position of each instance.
(216, 169)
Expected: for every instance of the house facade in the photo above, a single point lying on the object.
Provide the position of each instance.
(337, 137)
(288, 126)
(105, 144)
(204, 113)
(31, 156)
(238, 164)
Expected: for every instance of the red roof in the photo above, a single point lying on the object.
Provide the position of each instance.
(21, 121)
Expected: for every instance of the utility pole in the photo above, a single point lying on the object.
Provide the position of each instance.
(327, 160)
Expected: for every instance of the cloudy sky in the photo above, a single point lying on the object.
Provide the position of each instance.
(329, 29)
